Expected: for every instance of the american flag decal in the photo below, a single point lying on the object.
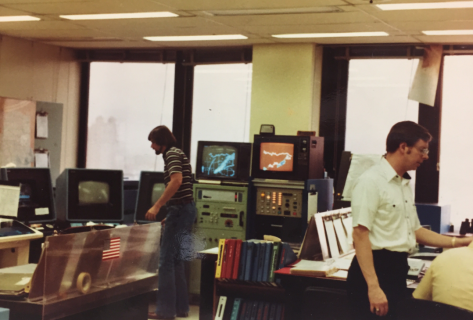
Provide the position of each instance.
(111, 249)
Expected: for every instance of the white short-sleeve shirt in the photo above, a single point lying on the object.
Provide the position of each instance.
(382, 201)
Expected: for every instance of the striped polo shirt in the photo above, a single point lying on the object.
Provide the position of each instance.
(175, 161)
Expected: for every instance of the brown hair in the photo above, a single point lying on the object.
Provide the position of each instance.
(162, 136)
(408, 132)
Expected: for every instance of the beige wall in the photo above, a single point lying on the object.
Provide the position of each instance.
(286, 88)
(34, 71)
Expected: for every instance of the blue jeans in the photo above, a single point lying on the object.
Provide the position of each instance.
(176, 247)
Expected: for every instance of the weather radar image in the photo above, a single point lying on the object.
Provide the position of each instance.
(275, 156)
(219, 161)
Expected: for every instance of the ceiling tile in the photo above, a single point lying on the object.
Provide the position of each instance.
(247, 4)
(38, 25)
(295, 19)
(90, 7)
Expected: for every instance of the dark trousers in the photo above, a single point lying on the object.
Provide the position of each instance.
(391, 268)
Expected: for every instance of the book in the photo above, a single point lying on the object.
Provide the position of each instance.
(230, 245)
(221, 248)
(279, 311)
(272, 311)
(235, 309)
(274, 260)
(262, 254)
(254, 310)
(314, 268)
(223, 274)
(254, 267)
(287, 255)
(249, 260)
(236, 263)
(266, 311)
(259, 313)
(221, 308)
(243, 309)
(242, 267)
(249, 310)
(267, 261)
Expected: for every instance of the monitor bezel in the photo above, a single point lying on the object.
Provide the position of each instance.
(243, 164)
(44, 192)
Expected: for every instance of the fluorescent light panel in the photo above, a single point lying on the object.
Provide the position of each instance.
(448, 32)
(198, 38)
(109, 16)
(427, 5)
(331, 35)
(248, 12)
(18, 18)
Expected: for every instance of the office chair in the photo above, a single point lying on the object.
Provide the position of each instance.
(417, 309)
(325, 304)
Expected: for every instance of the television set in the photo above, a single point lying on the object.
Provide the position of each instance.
(223, 161)
(36, 202)
(150, 189)
(85, 195)
(295, 158)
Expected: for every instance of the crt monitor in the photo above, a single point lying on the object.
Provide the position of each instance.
(36, 202)
(90, 195)
(224, 161)
(295, 158)
(150, 189)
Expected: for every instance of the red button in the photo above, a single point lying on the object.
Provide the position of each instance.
(294, 213)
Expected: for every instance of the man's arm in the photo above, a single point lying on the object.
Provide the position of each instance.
(433, 239)
(424, 289)
(171, 189)
(364, 255)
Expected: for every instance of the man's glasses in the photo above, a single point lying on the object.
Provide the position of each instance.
(424, 151)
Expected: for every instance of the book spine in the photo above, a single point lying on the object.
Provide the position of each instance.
(236, 263)
(266, 311)
(267, 261)
(230, 258)
(221, 308)
(221, 247)
(249, 257)
(274, 262)
(262, 254)
(236, 309)
(242, 268)
(254, 268)
(225, 259)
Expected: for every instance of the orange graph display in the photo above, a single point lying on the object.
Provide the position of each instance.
(276, 156)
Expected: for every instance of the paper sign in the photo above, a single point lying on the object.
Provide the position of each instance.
(41, 211)
(41, 126)
(9, 200)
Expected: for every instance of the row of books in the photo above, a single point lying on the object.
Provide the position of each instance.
(243, 309)
(252, 260)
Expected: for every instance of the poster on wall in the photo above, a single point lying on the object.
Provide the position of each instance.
(17, 130)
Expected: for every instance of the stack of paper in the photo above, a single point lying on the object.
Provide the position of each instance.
(314, 268)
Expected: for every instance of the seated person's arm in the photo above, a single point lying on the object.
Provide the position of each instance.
(430, 238)
(424, 289)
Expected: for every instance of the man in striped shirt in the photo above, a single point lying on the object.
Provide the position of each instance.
(176, 245)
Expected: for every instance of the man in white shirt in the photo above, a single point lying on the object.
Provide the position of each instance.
(386, 226)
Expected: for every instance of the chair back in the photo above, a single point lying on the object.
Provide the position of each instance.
(411, 309)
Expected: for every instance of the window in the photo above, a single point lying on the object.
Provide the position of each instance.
(126, 101)
(456, 145)
(221, 104)
(377, 99)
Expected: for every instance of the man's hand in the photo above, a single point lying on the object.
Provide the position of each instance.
(152, 212)
(378, 301)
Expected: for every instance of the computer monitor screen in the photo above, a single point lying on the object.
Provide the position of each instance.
(90, 195)
(93, 192)
(150, 189)
(26, 194)
(157, 191)
(223, 161)
(219, 161)
(276, 156)
(36, 202)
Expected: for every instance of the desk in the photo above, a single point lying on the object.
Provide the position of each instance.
(293, 288)
(123, 302)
